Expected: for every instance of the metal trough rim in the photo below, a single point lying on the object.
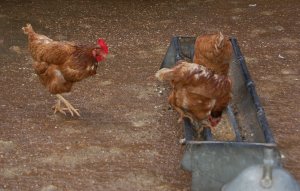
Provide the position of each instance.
(251, 88)
(271, 145)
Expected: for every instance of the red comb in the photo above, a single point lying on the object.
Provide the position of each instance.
(103, 45)
(104, 49)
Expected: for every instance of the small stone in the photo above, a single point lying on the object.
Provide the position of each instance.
(6, 146)
(279, 28)
(50, 188)
(15, 49)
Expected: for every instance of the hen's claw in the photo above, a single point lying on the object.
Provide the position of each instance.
(57, 107)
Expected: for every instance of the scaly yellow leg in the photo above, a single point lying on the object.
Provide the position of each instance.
(57, 107)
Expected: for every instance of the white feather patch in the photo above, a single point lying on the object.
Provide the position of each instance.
(204, 74)
(185, 101)
(59, 75)
(193, 67)
(46, 41)
(212, 103)
(89, 68)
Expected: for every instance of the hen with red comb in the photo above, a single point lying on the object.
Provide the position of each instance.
(60, 64)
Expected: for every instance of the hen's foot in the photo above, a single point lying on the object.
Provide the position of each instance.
(58, 108)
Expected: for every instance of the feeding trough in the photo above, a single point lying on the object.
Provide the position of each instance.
(213, 160)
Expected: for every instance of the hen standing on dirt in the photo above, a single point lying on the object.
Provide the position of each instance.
(60, 64)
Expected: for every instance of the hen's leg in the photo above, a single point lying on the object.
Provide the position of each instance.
(181, 114)
(69, 107)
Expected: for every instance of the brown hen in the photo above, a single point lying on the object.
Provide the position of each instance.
(195, 90)
(214, 51)
(60, 64)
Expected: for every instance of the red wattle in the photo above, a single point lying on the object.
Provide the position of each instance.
(99, 58)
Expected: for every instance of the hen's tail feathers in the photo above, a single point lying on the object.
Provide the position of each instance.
(28, 29)
(164, 74)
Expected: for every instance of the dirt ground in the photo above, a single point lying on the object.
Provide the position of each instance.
(127, 137)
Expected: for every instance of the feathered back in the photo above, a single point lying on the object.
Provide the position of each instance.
(213, 51)
(44, 49)
(196, 78)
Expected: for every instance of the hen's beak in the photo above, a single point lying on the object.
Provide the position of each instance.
(214, 121)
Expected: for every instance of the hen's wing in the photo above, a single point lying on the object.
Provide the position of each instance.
(196, 90)
(52, 78)
(196, 79)
(193, 106)
(52, 52)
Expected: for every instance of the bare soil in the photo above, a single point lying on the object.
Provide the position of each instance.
(127, 137)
